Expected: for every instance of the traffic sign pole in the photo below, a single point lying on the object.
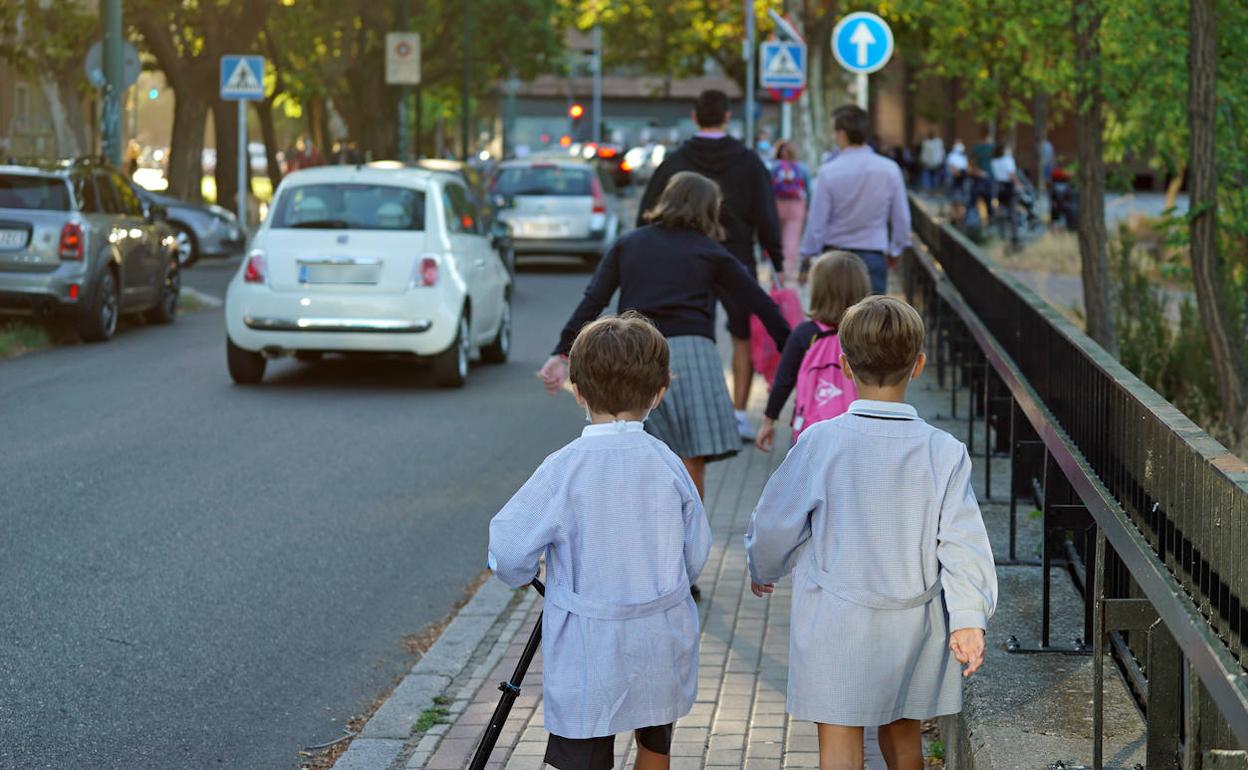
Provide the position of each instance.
(863, 101)
(749, 74)
(110, 105)
(862, 43)
(244, 155)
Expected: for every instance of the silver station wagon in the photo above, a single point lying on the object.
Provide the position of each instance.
(76, 239)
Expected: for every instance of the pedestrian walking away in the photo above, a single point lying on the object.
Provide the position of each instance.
(932, 158)
(859, 204)
(1004, 173)
(624, 534)
(790, 182)
(671, 271)
(811, 358)
(958, 169)
(894, 582)
(748, 214)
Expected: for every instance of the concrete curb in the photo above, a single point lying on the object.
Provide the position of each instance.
(207, 299)
(386, 732)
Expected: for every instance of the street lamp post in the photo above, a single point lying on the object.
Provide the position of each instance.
(405, 94)
(466, 105)
(597, 132)
(110, 107)
(749, 74)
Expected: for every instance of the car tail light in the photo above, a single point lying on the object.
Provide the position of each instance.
(600, 200)
(428, 271)
(626, 166)
(71, 246)
(255, 270)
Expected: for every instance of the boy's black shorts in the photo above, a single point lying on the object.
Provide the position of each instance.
(599, 753)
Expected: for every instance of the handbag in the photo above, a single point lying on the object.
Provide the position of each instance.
(763, 352)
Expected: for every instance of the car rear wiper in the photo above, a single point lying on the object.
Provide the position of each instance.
(324, 224)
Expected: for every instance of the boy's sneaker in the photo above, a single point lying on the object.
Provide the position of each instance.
(745, 427)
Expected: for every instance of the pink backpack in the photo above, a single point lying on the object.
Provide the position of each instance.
(823, 390)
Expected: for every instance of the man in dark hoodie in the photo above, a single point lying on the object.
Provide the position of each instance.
(749, 211)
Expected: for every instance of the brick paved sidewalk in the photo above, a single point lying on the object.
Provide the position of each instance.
(738, 719)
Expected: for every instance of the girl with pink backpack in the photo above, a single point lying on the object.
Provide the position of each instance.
(811, 360)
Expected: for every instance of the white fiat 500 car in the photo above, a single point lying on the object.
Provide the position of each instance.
(357, 259)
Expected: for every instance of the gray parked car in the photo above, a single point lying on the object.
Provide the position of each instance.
(202, 229)
(77, 240)
(556, 206)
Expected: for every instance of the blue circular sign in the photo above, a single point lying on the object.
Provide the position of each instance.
(862, 42)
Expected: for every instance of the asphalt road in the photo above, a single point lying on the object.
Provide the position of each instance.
(199, 575)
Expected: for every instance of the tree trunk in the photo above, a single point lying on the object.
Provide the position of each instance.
(1216, 316)
(225, 129)
(67, 144)
(1091, 178)
(186, 147)
(907, 101)
(264, 110)
(1040, 119)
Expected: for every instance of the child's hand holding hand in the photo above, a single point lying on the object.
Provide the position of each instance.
(766, 435)
(967, 645)
(762, 589)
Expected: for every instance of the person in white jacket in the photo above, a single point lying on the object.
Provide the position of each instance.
(894, 581)
(624, 534)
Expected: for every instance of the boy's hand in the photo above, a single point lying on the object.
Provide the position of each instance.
(762, 589)
(553, 373)
(766, 434)
(967, 645)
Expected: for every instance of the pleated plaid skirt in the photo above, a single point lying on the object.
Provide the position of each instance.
(696, 418)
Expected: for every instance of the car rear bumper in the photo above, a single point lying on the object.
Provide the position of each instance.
(259, 319)
(29, 292)
(578, 246)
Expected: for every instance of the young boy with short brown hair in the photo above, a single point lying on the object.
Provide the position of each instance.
(624, 535)
(884, 504)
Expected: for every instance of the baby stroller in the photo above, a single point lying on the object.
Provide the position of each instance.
(1063, 200)
(1025, 197)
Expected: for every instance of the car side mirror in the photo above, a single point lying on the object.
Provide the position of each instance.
(156, 212)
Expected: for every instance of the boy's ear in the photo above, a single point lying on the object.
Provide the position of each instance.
(919, 364)
(580, 400)
(845, 368)
(658, 398)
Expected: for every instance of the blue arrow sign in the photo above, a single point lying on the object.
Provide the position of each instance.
(242, 77)
(783, 65)
(862, 42)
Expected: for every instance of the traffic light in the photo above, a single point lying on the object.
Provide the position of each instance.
(577, 114)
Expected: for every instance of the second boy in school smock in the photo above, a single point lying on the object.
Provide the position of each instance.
(620, 629)
(884, 505)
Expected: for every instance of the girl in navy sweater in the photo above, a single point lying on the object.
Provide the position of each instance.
(672, 271)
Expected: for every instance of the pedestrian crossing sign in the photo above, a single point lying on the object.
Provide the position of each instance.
(783, 65)
(242, 77)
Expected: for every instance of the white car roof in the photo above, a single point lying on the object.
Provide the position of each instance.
(403, 176)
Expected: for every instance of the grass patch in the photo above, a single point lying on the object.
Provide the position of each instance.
(937, 749)
(20, 336)
(191, 302)
(441, 700)
(1035, 513)
(435, 715)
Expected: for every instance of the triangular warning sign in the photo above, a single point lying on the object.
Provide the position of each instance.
(782, 65)
(242, 79)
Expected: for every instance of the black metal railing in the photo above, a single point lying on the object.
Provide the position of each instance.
(1146, 511)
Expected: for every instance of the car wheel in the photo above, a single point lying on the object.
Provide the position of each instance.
(497, 351)
(246, 367)
(187, 247)
(99, 319)
(450, 367)
(167, 308)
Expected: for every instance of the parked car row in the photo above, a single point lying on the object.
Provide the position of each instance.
(381, 258)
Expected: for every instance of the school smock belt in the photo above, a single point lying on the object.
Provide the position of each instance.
(863, 597)
(566, 599)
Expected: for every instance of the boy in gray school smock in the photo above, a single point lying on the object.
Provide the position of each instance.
(625, 535)
(896, 582)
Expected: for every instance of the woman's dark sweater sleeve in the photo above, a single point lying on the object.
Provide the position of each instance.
(731, 279)
(604, 283)
(790, 364)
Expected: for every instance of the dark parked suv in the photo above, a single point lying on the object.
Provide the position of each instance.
(76, 239)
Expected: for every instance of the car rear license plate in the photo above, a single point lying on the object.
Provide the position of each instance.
(12, 240)
(340, 271)
(541, 229)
